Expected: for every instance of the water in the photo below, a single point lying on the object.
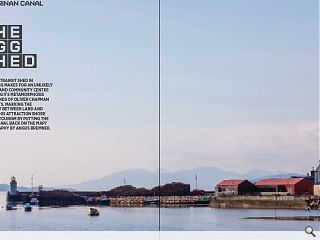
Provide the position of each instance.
(146, 219)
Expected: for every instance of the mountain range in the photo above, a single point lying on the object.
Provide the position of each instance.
(5, 188)
(207, 177)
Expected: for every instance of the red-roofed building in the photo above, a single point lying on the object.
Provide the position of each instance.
(293, 186)
(235, 187)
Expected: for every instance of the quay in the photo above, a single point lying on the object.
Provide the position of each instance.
(64, 198)
(172, 194)
(264, 202)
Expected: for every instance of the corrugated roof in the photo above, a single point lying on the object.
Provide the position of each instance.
(278, 181)
(230, 182)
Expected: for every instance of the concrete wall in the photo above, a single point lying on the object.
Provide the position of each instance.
(260, 202)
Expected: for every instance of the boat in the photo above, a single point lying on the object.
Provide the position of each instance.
(93, 201)
(10, 207)
(104, 201)
(152, 202)
(93, 212)
(34, 201)
(28, 207)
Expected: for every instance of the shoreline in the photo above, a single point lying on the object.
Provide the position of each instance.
(286, 218)
(65, 198)
(264, 202)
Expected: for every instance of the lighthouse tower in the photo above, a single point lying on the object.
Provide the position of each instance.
(13, 186)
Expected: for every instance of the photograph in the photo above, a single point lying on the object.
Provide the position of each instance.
(159, 119)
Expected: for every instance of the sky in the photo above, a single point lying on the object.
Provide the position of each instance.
(239, 87)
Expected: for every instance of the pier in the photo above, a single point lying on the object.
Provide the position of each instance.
(262, 202)
(65, 198)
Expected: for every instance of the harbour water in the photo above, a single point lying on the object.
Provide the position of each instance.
(147, 219)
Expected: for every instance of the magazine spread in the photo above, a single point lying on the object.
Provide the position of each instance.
(159, 119)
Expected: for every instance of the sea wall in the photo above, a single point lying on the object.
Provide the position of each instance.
(260, 202)
(165, 201)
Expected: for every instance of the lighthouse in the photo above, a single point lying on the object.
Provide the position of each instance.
(13, 186)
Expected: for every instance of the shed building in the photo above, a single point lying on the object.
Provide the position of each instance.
(235, 187)
(293, 186)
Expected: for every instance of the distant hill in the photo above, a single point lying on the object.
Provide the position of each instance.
(136, 177)
(4, 187)
(208, 177)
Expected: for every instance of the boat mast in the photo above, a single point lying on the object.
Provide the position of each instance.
(196, 178)
(32, 184)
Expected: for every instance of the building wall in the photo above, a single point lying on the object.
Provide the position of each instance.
(13, 188)
(272, 188)
(317, 177)
(316, 190)
(246, 187)
(230, 190)
(303, 186)
(291, 189)
(315, 174)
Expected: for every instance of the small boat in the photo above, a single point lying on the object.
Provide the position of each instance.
(152, 202)
(28, 207)
(10, 207)
(34, 201)
(93, 212)
(104, 201)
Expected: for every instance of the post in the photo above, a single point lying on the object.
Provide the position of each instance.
(196, 178)
(31, 184)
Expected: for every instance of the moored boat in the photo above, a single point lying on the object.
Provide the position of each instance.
(34, 201)
(28, 207)
(93, 212)
(152, 202)
(104, 201)
(10, 207)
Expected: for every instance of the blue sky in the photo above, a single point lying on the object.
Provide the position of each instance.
(239, 86)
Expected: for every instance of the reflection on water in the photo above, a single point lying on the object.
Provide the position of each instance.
(131, 219)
